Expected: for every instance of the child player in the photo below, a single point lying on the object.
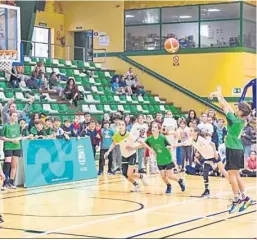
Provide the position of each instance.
(234, 149)
(124, 139)
(159, 144)
(209, 154)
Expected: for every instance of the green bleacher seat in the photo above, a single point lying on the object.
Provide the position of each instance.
(78, 80)
(85, 81)
(20, 106)
(100, 107)
(104, 81)
(107, 90)
(133, 109)
(9, 94)
(114, 107)
(69, 72)
(63, 71)
(2, 74)
(37, 108)
(110, 99)
(74, 63)
(27, 70)
(34, 60)
(127, 108)
(145, 108)
(103, 99)
(3, 85)
(80, 64)
(55, 107)
(61, 63)
(151, 109)
(63, 108)
(48, 62)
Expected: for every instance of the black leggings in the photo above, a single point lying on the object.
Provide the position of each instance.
(249, 173)
(206, 169)
(102, 160)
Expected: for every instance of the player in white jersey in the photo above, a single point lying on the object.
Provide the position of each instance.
(208, 151)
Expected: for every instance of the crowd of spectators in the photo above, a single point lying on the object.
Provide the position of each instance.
(100, 133)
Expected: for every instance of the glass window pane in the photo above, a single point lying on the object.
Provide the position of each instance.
(12, 29)
(180, 14)
(220, 34)
(249, 12)
(220, 11)
(2, 29)
(186, 33)
(249, 34)
(145, 16)
(142, 37)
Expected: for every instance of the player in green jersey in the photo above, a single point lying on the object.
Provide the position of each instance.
(11, 135)
(159, 145)
(234, 149)
(129, 156)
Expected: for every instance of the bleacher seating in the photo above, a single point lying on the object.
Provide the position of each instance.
(98, 96)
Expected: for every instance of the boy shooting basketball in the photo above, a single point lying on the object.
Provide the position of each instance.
(234, 149)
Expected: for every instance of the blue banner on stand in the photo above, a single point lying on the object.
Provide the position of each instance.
(57, 161)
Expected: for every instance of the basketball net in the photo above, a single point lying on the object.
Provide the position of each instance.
(6, 59)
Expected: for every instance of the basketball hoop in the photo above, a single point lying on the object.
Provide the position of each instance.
(6, 59)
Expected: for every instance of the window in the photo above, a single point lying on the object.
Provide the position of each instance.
(220, 34)
(41, 35)
(143, 37)
(220, 11)
(186, 33)
(180, 14)
(249, 34)
(145, 16)
(249, 12)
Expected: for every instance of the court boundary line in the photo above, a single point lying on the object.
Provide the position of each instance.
(128, 214)
(208, 224)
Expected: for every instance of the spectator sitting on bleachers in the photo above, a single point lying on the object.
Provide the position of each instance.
(11, 106)
(124, 85)
(71, 92)
(67, 129)
(54, 84)
(34, 82)
(38, 130)
(14, 79)
(116, 87)
(129, 74)
(246, 137)
(40, 70)
(250, 166)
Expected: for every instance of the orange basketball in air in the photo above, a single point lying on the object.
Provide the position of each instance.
(171, 45)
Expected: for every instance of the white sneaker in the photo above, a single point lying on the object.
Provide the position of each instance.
(144, 179)
(135, 188)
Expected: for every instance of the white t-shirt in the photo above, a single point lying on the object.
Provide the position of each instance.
(206, 128)
(204, 147)
(170, 124)
(138, 131)
(184, 135)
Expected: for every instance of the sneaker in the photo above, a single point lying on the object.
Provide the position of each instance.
(117, 170)
(144, 179)
(135, 188)
(1, 219)
(182, 185)
(234, 206)
(3, 188)
(206, 193)
(100, 173)
(168, 190)
(244, 204)
(111, 173)
(11, 186)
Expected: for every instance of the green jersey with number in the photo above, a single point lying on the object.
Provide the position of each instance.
(11, 131)
(235, 129)
(163, 155)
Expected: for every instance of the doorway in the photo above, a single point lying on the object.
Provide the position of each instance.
(83, 39)
(41, 39)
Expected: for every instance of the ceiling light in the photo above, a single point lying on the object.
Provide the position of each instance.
(184, 17)
(130, 16)
(213, 10)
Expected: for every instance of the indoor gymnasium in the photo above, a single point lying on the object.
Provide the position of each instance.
(128, 119)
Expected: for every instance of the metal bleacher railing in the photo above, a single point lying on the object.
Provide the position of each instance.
(59, 51)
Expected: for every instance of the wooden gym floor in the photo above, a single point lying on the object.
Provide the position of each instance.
(104, 208)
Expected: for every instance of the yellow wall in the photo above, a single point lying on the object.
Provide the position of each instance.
(54, 20)
(201, 73)
(101, 16)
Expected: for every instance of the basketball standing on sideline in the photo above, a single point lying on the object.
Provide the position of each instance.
(234, 149)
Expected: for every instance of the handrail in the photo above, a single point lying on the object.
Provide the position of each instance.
(171, 83)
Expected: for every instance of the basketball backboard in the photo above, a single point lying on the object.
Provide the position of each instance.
(10, 35)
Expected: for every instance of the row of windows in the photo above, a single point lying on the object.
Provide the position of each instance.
(212, 34)
(189, 13)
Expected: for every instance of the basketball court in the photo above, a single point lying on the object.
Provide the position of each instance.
(105, 208)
